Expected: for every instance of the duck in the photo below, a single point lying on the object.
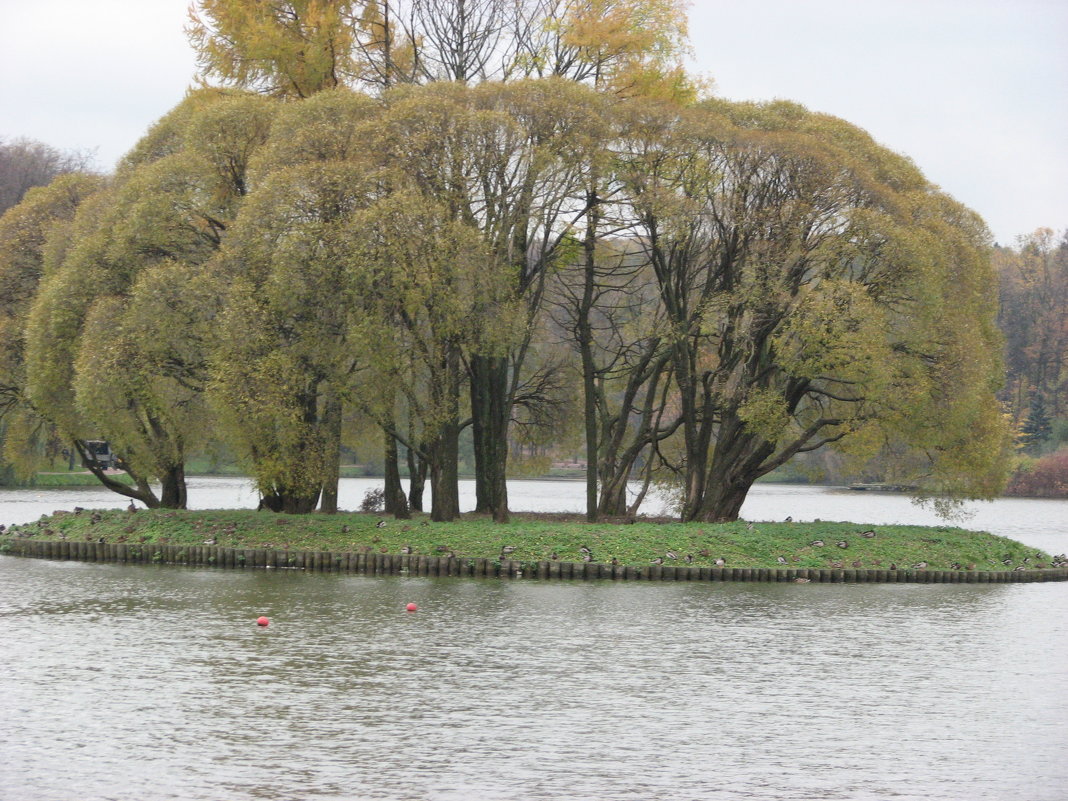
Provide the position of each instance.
(801, 580)
(720, 561)
(507, 549)
(406, 549)
(867, 534)
(842, 544)
(781, 560)
(817, 543)
(671, 555)
(658, 561)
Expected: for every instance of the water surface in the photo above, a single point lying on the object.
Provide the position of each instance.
(124, 682)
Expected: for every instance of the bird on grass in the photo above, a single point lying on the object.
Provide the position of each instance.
(781, 560)
(671, 555)
(720, 562)
(867, 534)
(658, 561)
(507, 550)
(406, 549)
(380, 524)
(817, 543)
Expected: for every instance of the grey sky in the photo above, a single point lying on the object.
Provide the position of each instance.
(975, 91)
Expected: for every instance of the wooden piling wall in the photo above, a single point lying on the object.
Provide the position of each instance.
(385, 564)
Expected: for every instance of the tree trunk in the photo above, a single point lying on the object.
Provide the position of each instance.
(585, 341)
(736, 462)
(444, 480)
(416, 480)
(142, 491)
(331, 455)
(723, 501)
(289, 502)
(490, 414)
(396, 503)
(172, 489)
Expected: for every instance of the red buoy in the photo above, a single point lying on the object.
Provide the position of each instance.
(411, 607)
(262, 621)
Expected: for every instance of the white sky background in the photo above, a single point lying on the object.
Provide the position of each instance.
(974, 91)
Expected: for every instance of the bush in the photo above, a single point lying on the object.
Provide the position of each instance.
(374, 500)
(1043, 478)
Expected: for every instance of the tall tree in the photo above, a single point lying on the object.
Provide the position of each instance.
(113, 344)
(40, 221)
(506, 159)
(424, 279)
(817, 288)
(283, 361)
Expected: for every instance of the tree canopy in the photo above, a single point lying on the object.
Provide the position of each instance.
(370, 226)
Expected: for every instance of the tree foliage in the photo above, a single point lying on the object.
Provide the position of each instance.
(736, 283)
(116, 333)
(1033, 313)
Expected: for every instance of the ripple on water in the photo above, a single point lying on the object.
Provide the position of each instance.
(156, 683)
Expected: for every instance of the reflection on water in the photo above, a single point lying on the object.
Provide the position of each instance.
(133, 682)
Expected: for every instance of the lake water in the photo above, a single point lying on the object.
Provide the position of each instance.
(125, 682)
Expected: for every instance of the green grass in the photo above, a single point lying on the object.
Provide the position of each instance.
(537, 537)
(72, 479)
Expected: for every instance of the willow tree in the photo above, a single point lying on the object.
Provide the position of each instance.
(819, 291)
(506, 159)
(116, 333)
(283, 364)
(28, 231)
(424, 283)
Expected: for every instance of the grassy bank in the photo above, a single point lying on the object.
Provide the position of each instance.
(70, 479)
(533, 538)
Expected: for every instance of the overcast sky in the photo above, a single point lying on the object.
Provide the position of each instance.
(974, 91)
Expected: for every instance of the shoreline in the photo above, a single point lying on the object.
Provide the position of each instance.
(546, 545)
(379, 564)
